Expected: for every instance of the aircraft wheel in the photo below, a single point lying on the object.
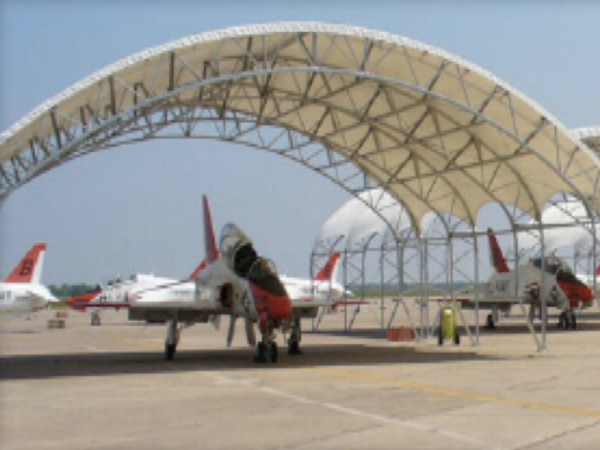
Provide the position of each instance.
(562, 321)
(456, 338)
(170, 351)
(261, 353)
(95, 321)
(490, 325)
(294, 348)
(440, 337)
(273, 352)
(573, 321)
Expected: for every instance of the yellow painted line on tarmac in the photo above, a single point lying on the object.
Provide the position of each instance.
(454, 393)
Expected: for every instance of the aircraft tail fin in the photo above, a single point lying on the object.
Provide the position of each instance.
(198, 269)
(330, 269)
(29, 270)
(498, 260)
(209, 234)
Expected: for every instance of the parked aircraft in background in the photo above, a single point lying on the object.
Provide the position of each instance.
(589, 279)
(561, 288)
(114, 295)
(118, 293)
(322, 287)
(22, 292)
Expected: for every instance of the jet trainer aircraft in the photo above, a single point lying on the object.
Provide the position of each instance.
(233, 281)
(22, 292)
(559, 285)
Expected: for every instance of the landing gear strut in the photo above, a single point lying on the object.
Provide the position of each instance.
(172, 340)
(295, 338)
(95, 319)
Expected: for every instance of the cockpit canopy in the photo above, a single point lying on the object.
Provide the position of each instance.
(237, 250)
(553, 265)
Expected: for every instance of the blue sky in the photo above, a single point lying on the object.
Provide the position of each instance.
(138, 208)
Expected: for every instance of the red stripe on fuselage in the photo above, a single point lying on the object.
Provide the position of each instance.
(277, 307)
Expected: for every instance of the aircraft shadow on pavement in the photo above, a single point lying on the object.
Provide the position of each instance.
(24, 367)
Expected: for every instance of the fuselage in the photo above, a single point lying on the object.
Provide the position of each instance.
(24, 297)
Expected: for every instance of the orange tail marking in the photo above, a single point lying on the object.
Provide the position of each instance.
(25, 270)
(498, 260)
(327, 270)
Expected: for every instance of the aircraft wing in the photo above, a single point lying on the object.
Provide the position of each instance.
(484, 303)
(176, 306)
(40, 297)
(99, 305)
(312, 302)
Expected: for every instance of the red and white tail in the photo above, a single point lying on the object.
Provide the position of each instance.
(29, 270)
(329, 270)
(498, 260)
(198, 269)
(209, 235)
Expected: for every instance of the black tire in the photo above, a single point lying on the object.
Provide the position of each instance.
(456, 338)
(573, 321)
(272, 352)
(440, 337)
(562, 321)
(261, 353)
(294, 348)
(489, 324)
(170, 350)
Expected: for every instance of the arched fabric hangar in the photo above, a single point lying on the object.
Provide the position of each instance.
(365, 108)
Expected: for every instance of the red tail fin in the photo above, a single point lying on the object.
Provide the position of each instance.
(498, 260)
(198, 269)
(209, 235)
(30, 268)
(327, 272)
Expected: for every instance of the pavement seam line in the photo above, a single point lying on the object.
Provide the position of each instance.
(352, 411)
(455, 393)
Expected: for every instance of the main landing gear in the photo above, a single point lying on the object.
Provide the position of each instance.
(266, 349)
(492, 319)
(567, 320)
(95, 319)
(295, 338)
(172, 340)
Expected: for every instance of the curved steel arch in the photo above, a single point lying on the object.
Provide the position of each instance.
(390, 112)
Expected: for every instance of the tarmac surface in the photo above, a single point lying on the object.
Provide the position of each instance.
(108, 387)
